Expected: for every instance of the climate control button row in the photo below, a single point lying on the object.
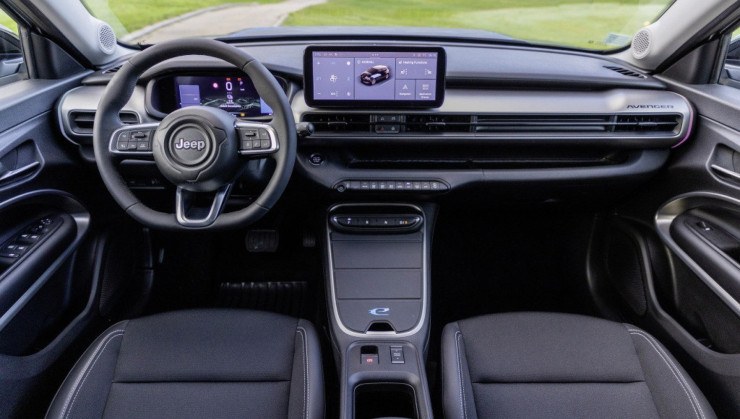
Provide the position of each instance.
(392, 185)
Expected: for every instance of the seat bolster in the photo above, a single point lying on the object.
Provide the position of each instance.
(307, 381)
(674, 393)
(457, 389)
(85, 390)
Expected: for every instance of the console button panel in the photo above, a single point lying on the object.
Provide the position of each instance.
(390, 222)
(398, 185)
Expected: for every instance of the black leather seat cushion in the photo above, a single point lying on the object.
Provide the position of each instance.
(529, 365)
(197, 364)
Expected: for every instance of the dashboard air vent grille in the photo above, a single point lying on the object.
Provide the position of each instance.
(81, 122)
(625, 72)
(541, 123)
(112, 70)
(654, 123)
(432, 124)
(339, 122)
(646, 123)
(438, 123)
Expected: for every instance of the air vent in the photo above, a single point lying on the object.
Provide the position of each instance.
(625, 72)
(493, 125)
(339, 122)
(438, 123)
(81, 122)
(112, 70)
(577, 124)
(542, 123)
(647, 123)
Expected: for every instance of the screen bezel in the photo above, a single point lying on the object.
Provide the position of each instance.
(308, 85)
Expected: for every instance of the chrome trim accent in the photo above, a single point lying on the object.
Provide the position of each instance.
(218, 204)
(497, 101)
(677, 206)
(726, 172)
(424, 274)
(21, 171)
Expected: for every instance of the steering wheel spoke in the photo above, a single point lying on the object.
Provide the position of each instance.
(199, 209)
(133, 141)
(256, 140)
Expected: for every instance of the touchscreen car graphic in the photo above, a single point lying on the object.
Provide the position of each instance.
(375, 75)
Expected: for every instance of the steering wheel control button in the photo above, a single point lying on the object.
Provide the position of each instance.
(256, 139)
(190, 146)
(138, 140)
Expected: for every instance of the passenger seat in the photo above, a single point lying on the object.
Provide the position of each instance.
(548, 365)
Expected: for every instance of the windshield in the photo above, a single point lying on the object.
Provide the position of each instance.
(585, 24)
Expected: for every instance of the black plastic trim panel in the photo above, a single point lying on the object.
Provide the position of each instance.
(26, 277)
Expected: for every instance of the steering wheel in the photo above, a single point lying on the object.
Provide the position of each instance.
(201, 150)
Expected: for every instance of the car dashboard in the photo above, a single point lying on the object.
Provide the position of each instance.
(574, 124)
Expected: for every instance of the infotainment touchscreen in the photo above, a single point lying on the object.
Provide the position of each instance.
(235, 95)
(374, 76)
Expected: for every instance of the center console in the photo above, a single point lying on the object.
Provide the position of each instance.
(378, 254)
(378, 291)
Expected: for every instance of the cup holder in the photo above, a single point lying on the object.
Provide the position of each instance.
(385, 401)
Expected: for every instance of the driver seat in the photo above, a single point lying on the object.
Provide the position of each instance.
(197, 364)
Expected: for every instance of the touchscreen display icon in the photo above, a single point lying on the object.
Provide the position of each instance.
(374, 75)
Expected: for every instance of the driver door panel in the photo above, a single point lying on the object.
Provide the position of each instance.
(46, 193)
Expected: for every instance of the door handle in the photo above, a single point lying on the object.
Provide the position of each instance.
(727, 172)
(9, 175)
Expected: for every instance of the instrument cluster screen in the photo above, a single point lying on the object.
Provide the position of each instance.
(236, 95)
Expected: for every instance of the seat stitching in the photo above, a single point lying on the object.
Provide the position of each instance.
(681, 376)
(657, 347)
(67, 408)
(676, 373)
(306, 390)
(460, 375)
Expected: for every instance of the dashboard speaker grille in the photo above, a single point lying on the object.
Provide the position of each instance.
(106, 38)
(641, 43)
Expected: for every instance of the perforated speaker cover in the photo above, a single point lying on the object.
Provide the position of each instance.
(106, 38)
(641, 43)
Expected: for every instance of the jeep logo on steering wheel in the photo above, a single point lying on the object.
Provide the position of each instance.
(183, 144)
